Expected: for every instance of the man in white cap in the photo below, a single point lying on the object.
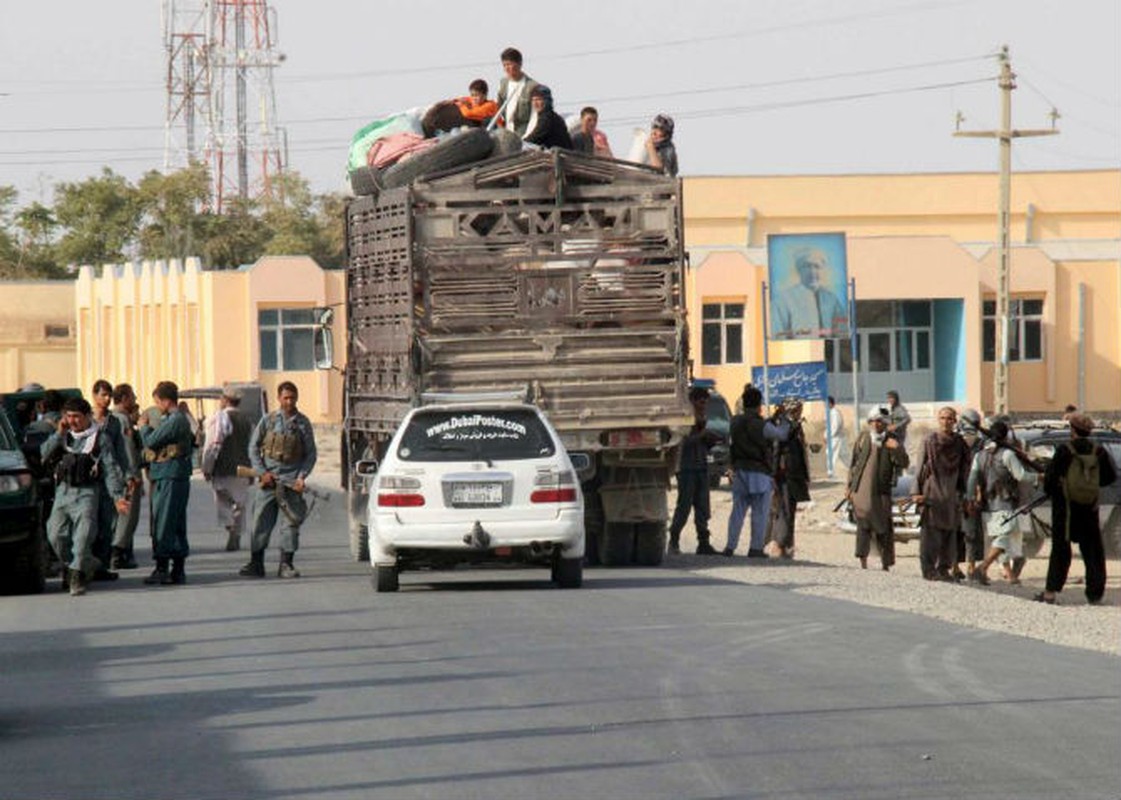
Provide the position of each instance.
(227, 447)
(876, 459)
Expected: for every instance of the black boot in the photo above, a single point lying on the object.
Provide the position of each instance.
(704, 547)
(675, 544)
(256, 566)
(178, 574)
(159, 576)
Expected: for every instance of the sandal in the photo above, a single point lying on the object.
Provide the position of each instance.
(1043, 598)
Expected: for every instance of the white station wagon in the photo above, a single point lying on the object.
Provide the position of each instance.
(470, 483)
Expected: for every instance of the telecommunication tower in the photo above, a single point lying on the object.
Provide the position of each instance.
(220, 60)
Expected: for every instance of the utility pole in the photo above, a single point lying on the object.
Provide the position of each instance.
(1006, 134)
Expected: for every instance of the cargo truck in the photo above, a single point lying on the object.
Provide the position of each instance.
(553, 275)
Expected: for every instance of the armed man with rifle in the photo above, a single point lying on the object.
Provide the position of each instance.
(282, 452)
(994, 489)
(1073, 481)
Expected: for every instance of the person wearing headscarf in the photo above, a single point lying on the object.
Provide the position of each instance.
(661, 153)
(550, 129)
(877, 457)
(792, 480)
(944, 463)
(995, 476)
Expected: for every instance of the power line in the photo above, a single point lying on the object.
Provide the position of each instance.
(936, 5)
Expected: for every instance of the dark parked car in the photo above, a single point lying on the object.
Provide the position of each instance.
(23, 544)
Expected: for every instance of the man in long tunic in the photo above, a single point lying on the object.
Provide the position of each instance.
(169, 441)
(876, 458)
(944, 463)
(996, 475)
(227, 447)
(792, 481)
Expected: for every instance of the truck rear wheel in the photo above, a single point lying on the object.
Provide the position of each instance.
(359, 532)
(568, 573)
(593, 522)
(616, 545)
(386, 578)
(649, 543)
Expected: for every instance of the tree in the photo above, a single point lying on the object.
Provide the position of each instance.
(100, 218)
(38, 253)
(172, 225)
(330, 212)
(288, 214)
(234, 238)
(9, 251)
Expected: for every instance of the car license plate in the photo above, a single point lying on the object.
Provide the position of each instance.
(477, 494)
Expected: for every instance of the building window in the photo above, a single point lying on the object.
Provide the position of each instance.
(286, 336)
(56, 332)
(722, 333)
(1025, 330)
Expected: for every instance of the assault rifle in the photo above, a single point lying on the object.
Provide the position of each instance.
(1026, 508)
(247, 472)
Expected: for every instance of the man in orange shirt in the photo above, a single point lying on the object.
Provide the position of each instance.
(476, 108)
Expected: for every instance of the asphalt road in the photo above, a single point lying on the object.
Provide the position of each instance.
(645, 683)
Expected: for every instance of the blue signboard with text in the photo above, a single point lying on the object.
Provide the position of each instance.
(806, 381)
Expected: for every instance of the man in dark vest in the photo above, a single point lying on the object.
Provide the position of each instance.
(792, 480)
(1074, 509)
(282, 450)
(167, 437)
(81, 457)
(227, 448)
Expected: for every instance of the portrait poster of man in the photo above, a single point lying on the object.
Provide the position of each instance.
(809, 286)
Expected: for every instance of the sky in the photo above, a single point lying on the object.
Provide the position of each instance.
(757, 87)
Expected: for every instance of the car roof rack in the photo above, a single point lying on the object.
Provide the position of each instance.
(472, 398)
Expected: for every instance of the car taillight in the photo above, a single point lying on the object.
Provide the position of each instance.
(400, 500)
(553, 486)
(399, 491)
(561, 495)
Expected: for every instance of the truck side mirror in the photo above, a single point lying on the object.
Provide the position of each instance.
(323, 347)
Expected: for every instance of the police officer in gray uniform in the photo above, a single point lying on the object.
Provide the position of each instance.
(282, 452)
(167, 436)
(81, 455)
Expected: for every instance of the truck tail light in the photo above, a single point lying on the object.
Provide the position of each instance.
(399, 491)
(633, 437)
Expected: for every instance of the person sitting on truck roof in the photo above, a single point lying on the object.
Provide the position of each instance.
(476, 108)
(660, 151)
(588, 138)
(514, 92)
(550, 130)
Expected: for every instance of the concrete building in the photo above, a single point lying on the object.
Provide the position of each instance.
(143, 323)
(922, 251)
(37, 334)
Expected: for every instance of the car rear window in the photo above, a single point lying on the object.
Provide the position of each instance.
(7, 436)
(496, 434)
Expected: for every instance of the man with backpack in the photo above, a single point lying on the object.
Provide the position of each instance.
(995, 479)
(1073, 481)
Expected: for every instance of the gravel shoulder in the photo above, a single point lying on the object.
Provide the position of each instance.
(824, 566)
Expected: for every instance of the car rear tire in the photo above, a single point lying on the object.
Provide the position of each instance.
(568, 573)
(386, 578)
(649, 543)
(616, 544)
